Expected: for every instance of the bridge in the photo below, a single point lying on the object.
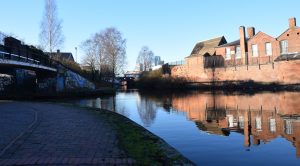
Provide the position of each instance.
(17, 61)
(16, 54)
(27, 68)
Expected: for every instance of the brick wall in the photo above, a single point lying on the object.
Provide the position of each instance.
(260, 39)
(292, 35)
(284, 72)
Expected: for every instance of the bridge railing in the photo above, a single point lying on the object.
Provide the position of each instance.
(14, 49)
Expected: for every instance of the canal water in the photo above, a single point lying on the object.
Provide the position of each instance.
(217, 128)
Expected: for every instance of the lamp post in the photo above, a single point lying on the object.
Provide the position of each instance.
(76, 54)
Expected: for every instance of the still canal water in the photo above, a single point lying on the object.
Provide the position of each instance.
(217, 129)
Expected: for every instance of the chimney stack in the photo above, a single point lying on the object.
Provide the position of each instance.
(243, 44)
(292, 22)
(251, 31)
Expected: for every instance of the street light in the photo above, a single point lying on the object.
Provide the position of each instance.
(76, 54)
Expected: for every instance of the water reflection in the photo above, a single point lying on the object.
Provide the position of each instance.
(260, 117)
(147, 110)
(242, 129)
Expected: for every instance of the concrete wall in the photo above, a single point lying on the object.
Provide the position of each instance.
(69, 80)
(284, 72)
(5, 81)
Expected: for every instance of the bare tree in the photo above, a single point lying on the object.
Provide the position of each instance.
(106, 52)
(90, 47)
(51, 36)
(113, 50)
(145, 58)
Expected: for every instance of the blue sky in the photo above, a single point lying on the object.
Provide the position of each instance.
(170, 28)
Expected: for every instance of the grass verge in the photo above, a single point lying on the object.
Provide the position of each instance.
(140, 144)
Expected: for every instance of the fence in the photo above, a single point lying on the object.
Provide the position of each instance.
(176, 63)
(251, 58)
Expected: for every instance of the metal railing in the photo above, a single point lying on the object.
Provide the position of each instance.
(176, 63)
(260, 58)
(23, 53)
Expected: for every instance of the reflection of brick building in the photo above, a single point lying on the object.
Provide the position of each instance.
(263, 57)
(262, 116)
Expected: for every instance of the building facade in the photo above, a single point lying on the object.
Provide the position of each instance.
(263, 57)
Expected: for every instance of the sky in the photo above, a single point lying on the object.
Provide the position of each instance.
(170, 28)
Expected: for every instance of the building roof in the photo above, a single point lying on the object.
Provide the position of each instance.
(63, 55)
(234, 43)
(286, 57)
(261, 33)
(208, 46)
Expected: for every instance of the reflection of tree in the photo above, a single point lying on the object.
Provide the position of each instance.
(147, 111)
(160, 100)
(121, 110)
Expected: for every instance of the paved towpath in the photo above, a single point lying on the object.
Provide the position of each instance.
(50, 134)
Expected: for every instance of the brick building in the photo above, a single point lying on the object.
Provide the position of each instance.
(257, 54)
(260, 48)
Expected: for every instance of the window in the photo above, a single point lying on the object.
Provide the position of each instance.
(288, 127)
(230, 121)
(254, 50)
(272, 125)
(241, 122)
(284, 47)
(227, 51)
(258, 123)
(268, 49)
(238, 52)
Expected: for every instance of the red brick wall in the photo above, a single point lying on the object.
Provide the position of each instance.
(261, 39)
(285, 72)
(292, 35)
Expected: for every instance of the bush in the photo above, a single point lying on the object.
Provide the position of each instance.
(156, 80)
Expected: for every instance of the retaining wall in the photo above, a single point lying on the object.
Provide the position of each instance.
(284, 72)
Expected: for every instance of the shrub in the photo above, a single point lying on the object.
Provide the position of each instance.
(156, 80)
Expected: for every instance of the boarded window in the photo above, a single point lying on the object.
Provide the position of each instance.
(268, 49)
(254, 50)
(284, 47)
(238, 52)
(227, 56)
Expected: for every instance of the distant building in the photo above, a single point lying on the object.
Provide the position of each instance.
(62, 56)
(133, 74)
(139, 67)
(157, 61)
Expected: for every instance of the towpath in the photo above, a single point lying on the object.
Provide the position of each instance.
(50, 134)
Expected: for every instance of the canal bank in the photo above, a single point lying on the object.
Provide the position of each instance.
(47, 133)
(57, 95)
